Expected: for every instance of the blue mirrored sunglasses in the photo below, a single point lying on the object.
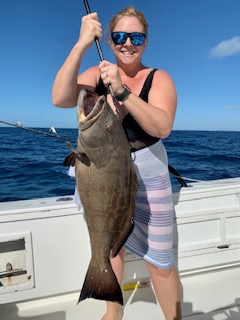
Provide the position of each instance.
(137, 38)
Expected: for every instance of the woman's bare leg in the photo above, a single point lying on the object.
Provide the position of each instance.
(167, 288)
(114, 310)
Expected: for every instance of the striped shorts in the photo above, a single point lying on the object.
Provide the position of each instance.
(152, 237)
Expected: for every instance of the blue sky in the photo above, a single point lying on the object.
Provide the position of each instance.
(196, 41)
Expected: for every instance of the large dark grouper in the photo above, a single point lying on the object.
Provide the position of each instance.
(106, 183)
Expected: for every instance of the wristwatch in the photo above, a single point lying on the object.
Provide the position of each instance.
(122, 96)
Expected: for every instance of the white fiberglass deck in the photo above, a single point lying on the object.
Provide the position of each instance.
(46, 242)
(202, 297)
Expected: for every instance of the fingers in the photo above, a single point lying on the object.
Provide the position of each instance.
(106, 72)
(91, 28)
(104, 65)
(93, 25)
(110, 76)
(105, 77)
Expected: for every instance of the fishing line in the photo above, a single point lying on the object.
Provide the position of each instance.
(171, 169)
(20, 126)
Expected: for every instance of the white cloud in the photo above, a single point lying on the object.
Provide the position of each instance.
(226, 48)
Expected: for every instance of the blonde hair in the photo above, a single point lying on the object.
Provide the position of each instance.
(128, 11)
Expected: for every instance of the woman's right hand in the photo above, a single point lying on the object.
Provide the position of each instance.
(90, 29)
(66, 86)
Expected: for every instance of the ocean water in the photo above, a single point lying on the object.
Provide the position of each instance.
(31, 163)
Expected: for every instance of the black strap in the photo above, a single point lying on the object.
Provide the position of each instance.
(147, 86)
(102, 90)
(177, 176)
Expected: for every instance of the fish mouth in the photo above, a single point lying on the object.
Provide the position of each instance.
(90, 106)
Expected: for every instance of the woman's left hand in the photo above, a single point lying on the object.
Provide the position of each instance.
(110, 76)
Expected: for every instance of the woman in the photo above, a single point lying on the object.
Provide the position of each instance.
(146, 105)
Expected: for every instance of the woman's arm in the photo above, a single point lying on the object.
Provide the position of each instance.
(157, 116)
(66, 85)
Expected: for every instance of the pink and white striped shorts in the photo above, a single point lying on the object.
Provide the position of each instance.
(152, 237)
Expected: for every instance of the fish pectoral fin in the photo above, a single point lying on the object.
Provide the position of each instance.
(71, 157)
(101, 283)
(128, 224)
(75, 154)
(70, 160)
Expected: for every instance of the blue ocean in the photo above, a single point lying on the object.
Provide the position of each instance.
(31, 164)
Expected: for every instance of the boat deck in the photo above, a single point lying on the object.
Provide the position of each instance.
(47, 241)
(202, 296)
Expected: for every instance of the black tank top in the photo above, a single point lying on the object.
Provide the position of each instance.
(132, 129)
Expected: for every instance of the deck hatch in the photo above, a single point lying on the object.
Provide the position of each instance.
(16, 263)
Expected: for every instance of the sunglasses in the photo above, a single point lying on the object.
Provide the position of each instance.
(120, 37)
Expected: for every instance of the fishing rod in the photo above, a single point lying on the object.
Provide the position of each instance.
(20, 126)
(96, 39)
(100, 51)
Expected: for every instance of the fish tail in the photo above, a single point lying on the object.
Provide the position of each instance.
(101, 283)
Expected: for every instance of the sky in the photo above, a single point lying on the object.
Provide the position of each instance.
(196, 41)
